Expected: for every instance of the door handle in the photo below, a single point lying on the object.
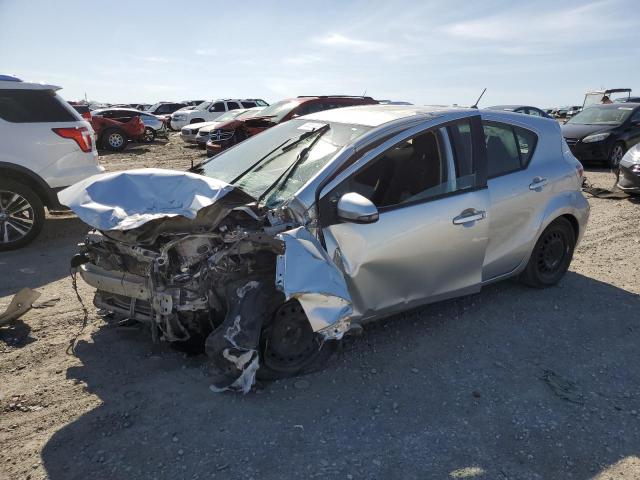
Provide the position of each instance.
(469, 216)
(538, 184)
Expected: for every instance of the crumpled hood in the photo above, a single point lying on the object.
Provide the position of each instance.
(128, 199)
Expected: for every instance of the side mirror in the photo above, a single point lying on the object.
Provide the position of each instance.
(353, 207)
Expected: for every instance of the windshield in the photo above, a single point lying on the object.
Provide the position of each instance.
(203, 106)
(279, 110)
(230, 115)
(259, 162)
(601, 116)
(252, 112)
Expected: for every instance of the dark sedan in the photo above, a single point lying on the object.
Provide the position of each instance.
(526, 109)
(603, 133)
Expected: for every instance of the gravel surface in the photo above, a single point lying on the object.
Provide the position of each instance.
(511, 383)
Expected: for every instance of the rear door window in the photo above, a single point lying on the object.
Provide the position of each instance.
(509, 148)
(32, 106)
(233, 105)
(248, 104)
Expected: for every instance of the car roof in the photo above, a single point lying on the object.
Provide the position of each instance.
(375, 115)
(14, 83)
(510, 107)
(615, 105)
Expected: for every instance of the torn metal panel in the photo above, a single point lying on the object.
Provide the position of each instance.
(20, 304)
(305, 272)
(127, 200)
(233, 346)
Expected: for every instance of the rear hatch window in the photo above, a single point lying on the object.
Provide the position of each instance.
(31, 106)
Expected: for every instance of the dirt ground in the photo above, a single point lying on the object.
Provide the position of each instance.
(511, 383)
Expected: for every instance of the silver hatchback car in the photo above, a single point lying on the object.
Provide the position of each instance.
(265, 252)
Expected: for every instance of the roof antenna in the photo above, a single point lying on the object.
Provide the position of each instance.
(365, 93)
(475, 105)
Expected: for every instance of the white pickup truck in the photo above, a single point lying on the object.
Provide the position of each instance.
(208, 111)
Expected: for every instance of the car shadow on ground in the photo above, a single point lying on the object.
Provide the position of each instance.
(510, 383)
(46, 259)
(17, 334)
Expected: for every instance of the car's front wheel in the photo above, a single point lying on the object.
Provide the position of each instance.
(289, 347)
(551, 255)
(21, 215)
(149, 135)
(616, 154)
(114, 140)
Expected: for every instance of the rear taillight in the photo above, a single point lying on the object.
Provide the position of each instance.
(87, 116)
(80, 135)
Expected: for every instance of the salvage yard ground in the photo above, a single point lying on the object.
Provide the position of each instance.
(511, 383)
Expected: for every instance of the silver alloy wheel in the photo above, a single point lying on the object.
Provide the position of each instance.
(617, 152)
(115, 140)
(16, 217)
(148, 135)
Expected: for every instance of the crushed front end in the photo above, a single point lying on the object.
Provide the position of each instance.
(209, 270)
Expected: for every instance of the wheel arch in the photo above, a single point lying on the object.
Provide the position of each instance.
(196, 120)
(32, 180)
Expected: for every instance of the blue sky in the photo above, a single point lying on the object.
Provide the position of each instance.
(544, 53)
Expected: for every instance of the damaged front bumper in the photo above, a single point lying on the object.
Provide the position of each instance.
(203, 264)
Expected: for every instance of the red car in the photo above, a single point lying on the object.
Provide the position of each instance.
(235, 131)
(114, 134)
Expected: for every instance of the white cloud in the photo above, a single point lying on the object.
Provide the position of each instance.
(151, 59)
(338, 40)
(206, 52)
(303, 59)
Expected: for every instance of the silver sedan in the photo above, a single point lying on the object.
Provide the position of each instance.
(325, 221)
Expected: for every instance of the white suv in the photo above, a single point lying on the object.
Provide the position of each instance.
(46, 146)
(208, 111)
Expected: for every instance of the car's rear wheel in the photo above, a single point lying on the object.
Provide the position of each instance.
(289, 346)
(114, 140)
(21, 215)
(551, 255)
(149, 135)
(616, 154)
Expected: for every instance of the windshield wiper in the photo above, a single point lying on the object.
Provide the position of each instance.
(288, 173)
(285, 147)
(260, 160)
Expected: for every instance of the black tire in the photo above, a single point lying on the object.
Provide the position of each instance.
(21, 215)
(149, 135)
(615, 155)
(551, 255)
(113, 139)
(289, 347)
(196, 120)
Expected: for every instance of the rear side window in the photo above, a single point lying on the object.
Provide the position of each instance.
(509, 148)
(233, 105)
(248, 104)
(31, 106)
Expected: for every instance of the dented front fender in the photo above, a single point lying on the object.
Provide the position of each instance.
(305, 272)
